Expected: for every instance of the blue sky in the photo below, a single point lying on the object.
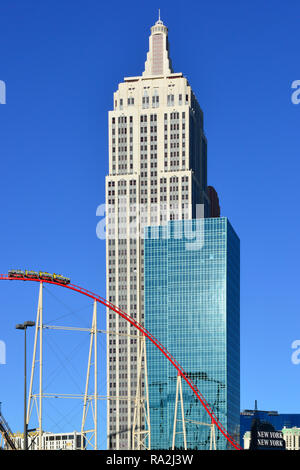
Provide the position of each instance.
(61, 62)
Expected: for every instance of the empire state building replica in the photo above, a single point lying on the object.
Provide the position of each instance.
(157, 173)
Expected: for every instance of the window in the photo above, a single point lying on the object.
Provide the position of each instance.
(170, 100)
(155, 100)
(145, 101)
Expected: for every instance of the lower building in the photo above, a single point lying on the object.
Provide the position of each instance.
(291, 437)
(192, 306)
(50, 441)
(278, 420)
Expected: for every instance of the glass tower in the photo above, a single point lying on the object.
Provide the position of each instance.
(192, 306)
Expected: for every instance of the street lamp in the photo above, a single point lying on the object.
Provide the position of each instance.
(24, 326)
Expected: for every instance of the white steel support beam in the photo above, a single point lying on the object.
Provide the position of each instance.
(38, 398)
(91, 400)
(213, 445)
(141, 438)
(179, 392)
(212, 426)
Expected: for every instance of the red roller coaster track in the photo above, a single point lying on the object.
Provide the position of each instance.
(148, 335)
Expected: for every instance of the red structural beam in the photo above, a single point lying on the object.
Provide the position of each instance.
(148, 335)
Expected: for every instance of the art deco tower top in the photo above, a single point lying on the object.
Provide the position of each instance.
(158, 61)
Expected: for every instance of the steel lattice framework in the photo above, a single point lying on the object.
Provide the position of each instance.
(150, 337)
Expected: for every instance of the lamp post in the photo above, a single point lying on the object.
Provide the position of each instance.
(24, 326)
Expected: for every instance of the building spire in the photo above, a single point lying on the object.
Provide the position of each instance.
(158, 61)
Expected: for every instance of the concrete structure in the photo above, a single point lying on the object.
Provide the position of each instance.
(292, 438)
(50, 441)
(290, 435)
(278, 420)
(157, 172)
(192, 306)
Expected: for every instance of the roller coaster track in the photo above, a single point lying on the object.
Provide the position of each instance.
(7, 434)
(147, 334)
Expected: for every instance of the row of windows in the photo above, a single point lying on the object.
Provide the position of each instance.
(181, 99)
(122, 120)
(144, 118)
(163, 181)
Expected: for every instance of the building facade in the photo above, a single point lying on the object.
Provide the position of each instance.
(291, 437)
(50, 441)
(192, 306)
(157, 173)
(278, 420)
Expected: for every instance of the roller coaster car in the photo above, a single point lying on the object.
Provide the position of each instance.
(31, 274)
(15, 273)
(61, 279)
(46, 276)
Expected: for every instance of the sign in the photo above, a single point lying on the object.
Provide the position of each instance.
(265, 437)
(272, 439)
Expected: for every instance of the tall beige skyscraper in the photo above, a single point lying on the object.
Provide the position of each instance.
(157, 172)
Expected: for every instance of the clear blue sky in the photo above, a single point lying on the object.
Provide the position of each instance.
(62, 61)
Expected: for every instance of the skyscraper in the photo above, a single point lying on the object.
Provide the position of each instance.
(157, 172)
(192, 306)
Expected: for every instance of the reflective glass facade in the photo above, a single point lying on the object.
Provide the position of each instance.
(192, 306)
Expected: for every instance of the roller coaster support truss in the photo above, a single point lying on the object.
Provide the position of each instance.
(212, 443)
(147, 334)
(90, 401)
(141, 434)
(37, 398)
